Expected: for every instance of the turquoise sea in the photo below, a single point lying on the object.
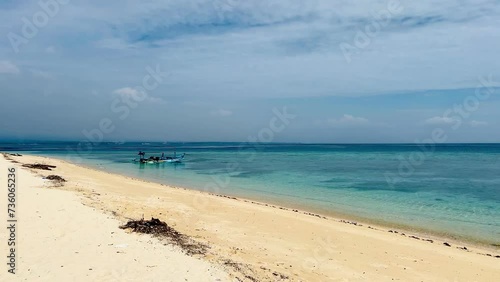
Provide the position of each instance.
(451, 190)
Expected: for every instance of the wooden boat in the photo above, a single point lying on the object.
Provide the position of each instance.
(157, 160)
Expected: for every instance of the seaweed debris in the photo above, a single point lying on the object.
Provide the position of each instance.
(40, 166)
(160, 229)
(56, 178)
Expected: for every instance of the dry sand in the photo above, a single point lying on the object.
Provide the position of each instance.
(63, 240)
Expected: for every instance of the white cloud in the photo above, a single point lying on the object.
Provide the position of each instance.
(41, 74)
(127, 92)
(348, 120)
(221, 113)
(50, 50)
(225, 54)
(132, 93)
(206, 38)
(440, 120)
(476, 123)
(156, 100)
(8, 67)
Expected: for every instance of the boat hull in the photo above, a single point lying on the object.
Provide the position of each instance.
(175, 160)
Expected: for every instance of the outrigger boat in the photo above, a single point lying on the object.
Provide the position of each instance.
(157, 160)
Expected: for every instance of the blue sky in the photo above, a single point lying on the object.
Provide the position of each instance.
(350, 71)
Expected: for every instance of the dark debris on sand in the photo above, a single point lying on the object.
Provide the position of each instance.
(244, 269)
(56, 178)
(13, 155)
(160, 229)
(7, 156)
(40, 166)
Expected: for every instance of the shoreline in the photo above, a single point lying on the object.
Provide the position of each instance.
(58, 238)
(434, 235)
(188, 202)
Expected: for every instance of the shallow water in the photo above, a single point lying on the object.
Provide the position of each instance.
(447, 189)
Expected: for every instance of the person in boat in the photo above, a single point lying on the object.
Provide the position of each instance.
(141, 155)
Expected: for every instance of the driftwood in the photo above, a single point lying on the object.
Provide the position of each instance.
(160, 229)
(40, 166)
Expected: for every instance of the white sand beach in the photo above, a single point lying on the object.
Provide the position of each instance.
(71, 233)
(60, 239)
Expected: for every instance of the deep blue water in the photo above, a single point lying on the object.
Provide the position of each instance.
(452, 189)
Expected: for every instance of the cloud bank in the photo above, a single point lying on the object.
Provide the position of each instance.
(247, 57)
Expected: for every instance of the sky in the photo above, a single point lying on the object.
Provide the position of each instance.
(318, 71)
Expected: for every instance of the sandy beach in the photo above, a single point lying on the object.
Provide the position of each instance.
(60, 239)
(70, 232)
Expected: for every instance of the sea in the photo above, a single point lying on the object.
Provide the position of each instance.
(450, 190)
